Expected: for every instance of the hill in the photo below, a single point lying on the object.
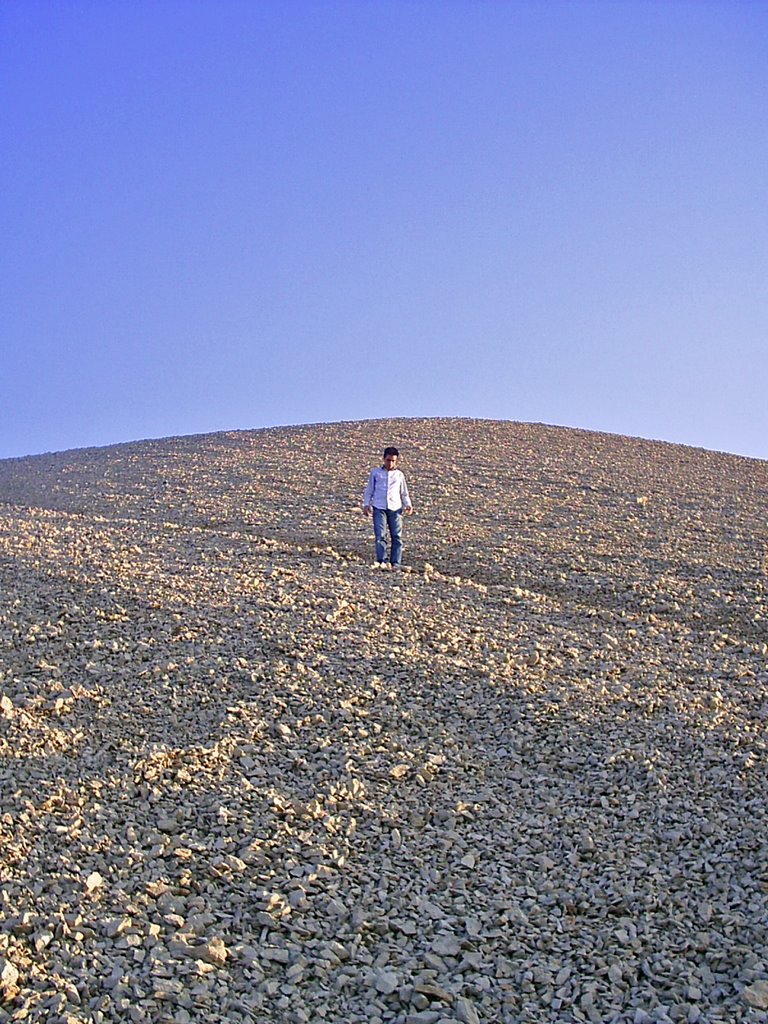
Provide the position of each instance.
(246, 778)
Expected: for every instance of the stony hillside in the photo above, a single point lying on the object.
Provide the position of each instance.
(247, 778)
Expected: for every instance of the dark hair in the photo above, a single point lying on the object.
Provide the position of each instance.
(391, 451)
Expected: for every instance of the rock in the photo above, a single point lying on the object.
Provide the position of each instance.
(9, 980)
(213, 952)
(433, 991)
(42, 940)
(446, 945)
(385, 982)
(115, 926)
(466, 1012)
(756, 995)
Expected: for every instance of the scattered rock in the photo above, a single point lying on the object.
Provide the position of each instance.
(385, 982)
(245, 778)
(213, 952)
(9, 980)
(757, 995)
(466, 1012)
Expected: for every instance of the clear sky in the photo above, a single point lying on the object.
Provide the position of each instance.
(221, 214)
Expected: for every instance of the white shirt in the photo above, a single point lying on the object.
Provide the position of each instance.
(386, 488)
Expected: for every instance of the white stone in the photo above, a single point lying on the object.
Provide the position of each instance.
(757, 995)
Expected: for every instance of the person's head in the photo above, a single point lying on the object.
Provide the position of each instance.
(391, 455)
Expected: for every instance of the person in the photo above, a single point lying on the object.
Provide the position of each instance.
(386, 496)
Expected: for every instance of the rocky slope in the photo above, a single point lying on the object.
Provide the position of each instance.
(247, 778)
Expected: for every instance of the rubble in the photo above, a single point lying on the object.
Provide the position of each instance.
(246, 778)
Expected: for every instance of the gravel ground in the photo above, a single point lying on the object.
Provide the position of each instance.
(245, 777)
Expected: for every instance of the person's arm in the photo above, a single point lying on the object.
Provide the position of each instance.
(368, 492)
(404, 497)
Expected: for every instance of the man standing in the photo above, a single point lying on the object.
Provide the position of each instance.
(386, 494)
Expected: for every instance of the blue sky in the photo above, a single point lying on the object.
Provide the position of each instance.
(218, 214)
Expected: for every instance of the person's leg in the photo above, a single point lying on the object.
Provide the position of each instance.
(395, 523)
(379, 519)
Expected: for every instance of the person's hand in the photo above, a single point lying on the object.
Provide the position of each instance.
(409, 511)
(366, 510)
